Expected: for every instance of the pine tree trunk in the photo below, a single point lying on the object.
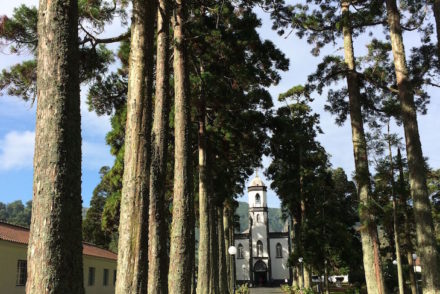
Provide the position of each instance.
(395, 220)
(55, 243)
(404, 204)
(397, 245)
(182, 227)
(204, 263)
(158, 227)
(193, 279)
(417, 173)
(132, 274)
(232, 258)
(297, 279)
(369, 238)
(223, 278)
(213, 248)
(436, 9)
(307, 277)
(226, 227)
(326, 289)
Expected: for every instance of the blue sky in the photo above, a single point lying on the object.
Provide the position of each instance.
(17, 119)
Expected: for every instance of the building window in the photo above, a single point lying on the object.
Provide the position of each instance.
(105, 277)
(91, 281)
(257, 199)
(279, 251)
(258, 218)
(114, 277)
(240, 254)
(259, 248)
(21, 272)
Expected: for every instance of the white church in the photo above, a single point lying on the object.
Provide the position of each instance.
(262, 255)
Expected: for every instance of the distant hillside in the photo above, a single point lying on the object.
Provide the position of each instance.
(276, 224)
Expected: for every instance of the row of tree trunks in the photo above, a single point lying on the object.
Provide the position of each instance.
(55, 244)
(369, 238)
(182, 226)
(132, 274)
(158, 227)
(417, 174)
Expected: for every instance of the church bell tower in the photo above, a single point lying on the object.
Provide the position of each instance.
(259, 231)
(257, 201)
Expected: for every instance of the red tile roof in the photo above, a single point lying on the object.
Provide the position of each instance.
(17, 234)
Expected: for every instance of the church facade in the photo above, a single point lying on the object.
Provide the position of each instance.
(262, 255)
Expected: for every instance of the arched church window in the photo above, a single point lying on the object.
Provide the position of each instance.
(240, 253)
(257, 199)
(258, 218)
(259, 248)
(279, 251)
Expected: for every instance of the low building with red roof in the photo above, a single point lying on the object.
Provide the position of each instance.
(99, 264)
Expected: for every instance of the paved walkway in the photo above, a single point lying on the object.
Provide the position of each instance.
(266, 290)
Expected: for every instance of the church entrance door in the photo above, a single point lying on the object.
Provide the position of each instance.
(260, 278)
(260, 273)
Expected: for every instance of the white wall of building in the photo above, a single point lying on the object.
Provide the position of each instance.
(259, 232)
(280, 270)
(242, 265)
(252, 198)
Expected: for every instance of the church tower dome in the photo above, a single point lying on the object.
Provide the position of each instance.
(257, 193)
(257, 182)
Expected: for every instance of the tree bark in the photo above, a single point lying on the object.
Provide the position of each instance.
(213, 247)
(132, 274)
(397, 245)
(204, 263)
(307, 277)
(436, 9)
(408, 242)
(369, 238)
(232, 257)
(226, 227)
(296, 281)
(223, 278)
(158, 227)
(55, 243)
(182, 227)
(417, 174)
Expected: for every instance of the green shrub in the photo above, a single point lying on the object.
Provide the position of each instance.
(295, 290)
(243, 289)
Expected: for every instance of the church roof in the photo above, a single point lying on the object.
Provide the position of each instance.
(257, 182)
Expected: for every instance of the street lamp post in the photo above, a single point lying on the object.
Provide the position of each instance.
(302, 271)
(414, 256)
(232, 250)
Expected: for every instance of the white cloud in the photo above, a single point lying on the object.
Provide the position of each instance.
(17, 150)
(8, 6)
